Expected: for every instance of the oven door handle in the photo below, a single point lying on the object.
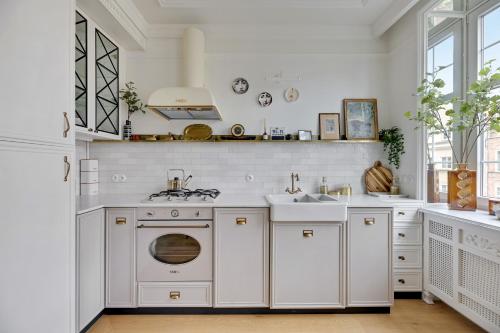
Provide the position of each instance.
(142, 226)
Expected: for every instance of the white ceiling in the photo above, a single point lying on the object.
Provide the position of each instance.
(264, 12)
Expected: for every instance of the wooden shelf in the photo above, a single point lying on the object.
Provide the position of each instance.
(151, 138)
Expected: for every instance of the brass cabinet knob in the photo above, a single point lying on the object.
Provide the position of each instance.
(401, 235)
(241, 220)
(402, 281)
(121, 220)
(401, 213)
(369, 220)
(175, 295)
(307, 233)
(403, 258)
(150, 214)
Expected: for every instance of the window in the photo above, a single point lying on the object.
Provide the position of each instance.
(444, 188)
(489, 148)
(446, 162)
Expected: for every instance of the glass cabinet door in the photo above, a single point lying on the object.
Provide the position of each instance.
(175, 249)
(106, 80)
(81, 114)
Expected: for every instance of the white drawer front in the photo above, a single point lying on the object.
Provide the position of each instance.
(175, 294)
(405, 234)
(407, 280)
(406, 214)
(407, 257)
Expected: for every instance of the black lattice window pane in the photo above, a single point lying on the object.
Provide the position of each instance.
(81, 114)
(107, 102)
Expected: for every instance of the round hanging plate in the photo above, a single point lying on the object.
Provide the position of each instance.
(291, 95)
(378, 178)
(197, 132)
(237, 130)
(265, 99)
(240, 86)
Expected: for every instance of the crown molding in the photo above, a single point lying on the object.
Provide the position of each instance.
(301, 4)
(396, 11)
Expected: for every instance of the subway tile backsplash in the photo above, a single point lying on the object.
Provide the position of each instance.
(227, 166)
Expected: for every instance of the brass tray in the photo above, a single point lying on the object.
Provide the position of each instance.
(197, 132)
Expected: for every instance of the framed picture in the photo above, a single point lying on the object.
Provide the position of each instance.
(305, 135)
(361, 119)
(329, 126)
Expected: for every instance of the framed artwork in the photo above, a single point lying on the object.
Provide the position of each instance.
(305, 135)
(329, 126)
(361, 119)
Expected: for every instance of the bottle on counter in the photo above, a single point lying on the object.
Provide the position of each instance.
(395, 186)
(323, 188)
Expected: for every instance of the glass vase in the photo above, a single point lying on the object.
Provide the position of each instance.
(462, 189)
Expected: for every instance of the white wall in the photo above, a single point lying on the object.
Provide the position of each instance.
(357, 69)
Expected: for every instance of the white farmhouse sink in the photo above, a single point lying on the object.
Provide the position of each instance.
(306, 208)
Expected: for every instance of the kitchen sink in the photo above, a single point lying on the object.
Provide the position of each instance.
(306, 208)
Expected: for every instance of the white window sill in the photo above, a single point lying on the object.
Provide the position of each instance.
(479, 217)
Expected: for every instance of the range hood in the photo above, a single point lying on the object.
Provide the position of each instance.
(193, 100)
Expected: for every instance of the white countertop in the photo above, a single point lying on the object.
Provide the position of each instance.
(89, 203)
(479, 217)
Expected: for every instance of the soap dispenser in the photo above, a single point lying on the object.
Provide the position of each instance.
(323, 188)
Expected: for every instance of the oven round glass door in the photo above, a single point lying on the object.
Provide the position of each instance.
(175, 249)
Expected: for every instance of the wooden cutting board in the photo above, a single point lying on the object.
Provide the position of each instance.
(378, 178)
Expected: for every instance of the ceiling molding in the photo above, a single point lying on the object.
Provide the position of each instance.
(397, 10)
(301, 4)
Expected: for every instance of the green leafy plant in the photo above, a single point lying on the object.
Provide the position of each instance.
(472, 117)
(394, 143)
(131, 98)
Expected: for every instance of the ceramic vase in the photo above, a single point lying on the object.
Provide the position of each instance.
(127, 130)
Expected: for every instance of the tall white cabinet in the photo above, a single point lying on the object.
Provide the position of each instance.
(37, 238)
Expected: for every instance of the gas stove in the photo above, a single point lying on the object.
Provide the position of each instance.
(185, 195)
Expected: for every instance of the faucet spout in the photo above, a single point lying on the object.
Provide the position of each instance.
(294, 190)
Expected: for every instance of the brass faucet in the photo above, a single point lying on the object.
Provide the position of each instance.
(295, 177)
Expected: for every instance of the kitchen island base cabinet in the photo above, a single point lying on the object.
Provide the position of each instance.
(307, 265)
(90, 266)
(241, 252)
(369, 257)
(120, 258)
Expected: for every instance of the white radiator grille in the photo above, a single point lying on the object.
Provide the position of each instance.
(479, 309)
(441, 266)
(441, 230)
(480, 276)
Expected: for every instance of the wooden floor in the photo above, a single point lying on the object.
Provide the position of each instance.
(406, 316)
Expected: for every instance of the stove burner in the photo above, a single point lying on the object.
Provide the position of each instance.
(186, 194)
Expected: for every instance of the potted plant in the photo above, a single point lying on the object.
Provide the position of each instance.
(394, 144)
(472, 117)
(134, 103)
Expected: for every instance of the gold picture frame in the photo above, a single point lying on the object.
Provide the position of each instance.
(361, 118)
(329, 126)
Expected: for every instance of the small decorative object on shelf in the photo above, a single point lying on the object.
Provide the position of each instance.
(198, 132)
(329, 126)
(277, 133)
(131, 98)
(472, 118)
(240, 86)
(394, 144)
(265, 136)
(305, 135)
(237, 130)
(361, 119)
(265, 99)
(291, 95)
(491, 205)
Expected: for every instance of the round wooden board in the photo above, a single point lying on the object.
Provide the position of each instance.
(378, 178)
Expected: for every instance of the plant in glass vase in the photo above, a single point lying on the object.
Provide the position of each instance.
(131, 98)
(471, 118)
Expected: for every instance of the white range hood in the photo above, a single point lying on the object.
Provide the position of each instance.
(193, 100)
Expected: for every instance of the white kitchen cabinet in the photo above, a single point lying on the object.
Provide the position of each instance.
(37, 63)
(120, 258)
(307, 265)
(369, 258)
(90, 266)
(37, 239)
(241, 252)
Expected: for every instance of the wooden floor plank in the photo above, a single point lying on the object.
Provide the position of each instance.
(407, 316)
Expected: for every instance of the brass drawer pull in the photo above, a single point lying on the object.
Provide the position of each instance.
(402, 281)
(307, 233)
(403, 258)
(401, 235)
(401, 213)
(175, 294)
(370, 221)
(67, 126)
(121, 220)
(68, 168)
(241, 220)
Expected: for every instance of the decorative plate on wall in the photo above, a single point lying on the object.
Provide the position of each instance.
(291, 95)
(237, 130)
(265, 99)
(240, 86)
